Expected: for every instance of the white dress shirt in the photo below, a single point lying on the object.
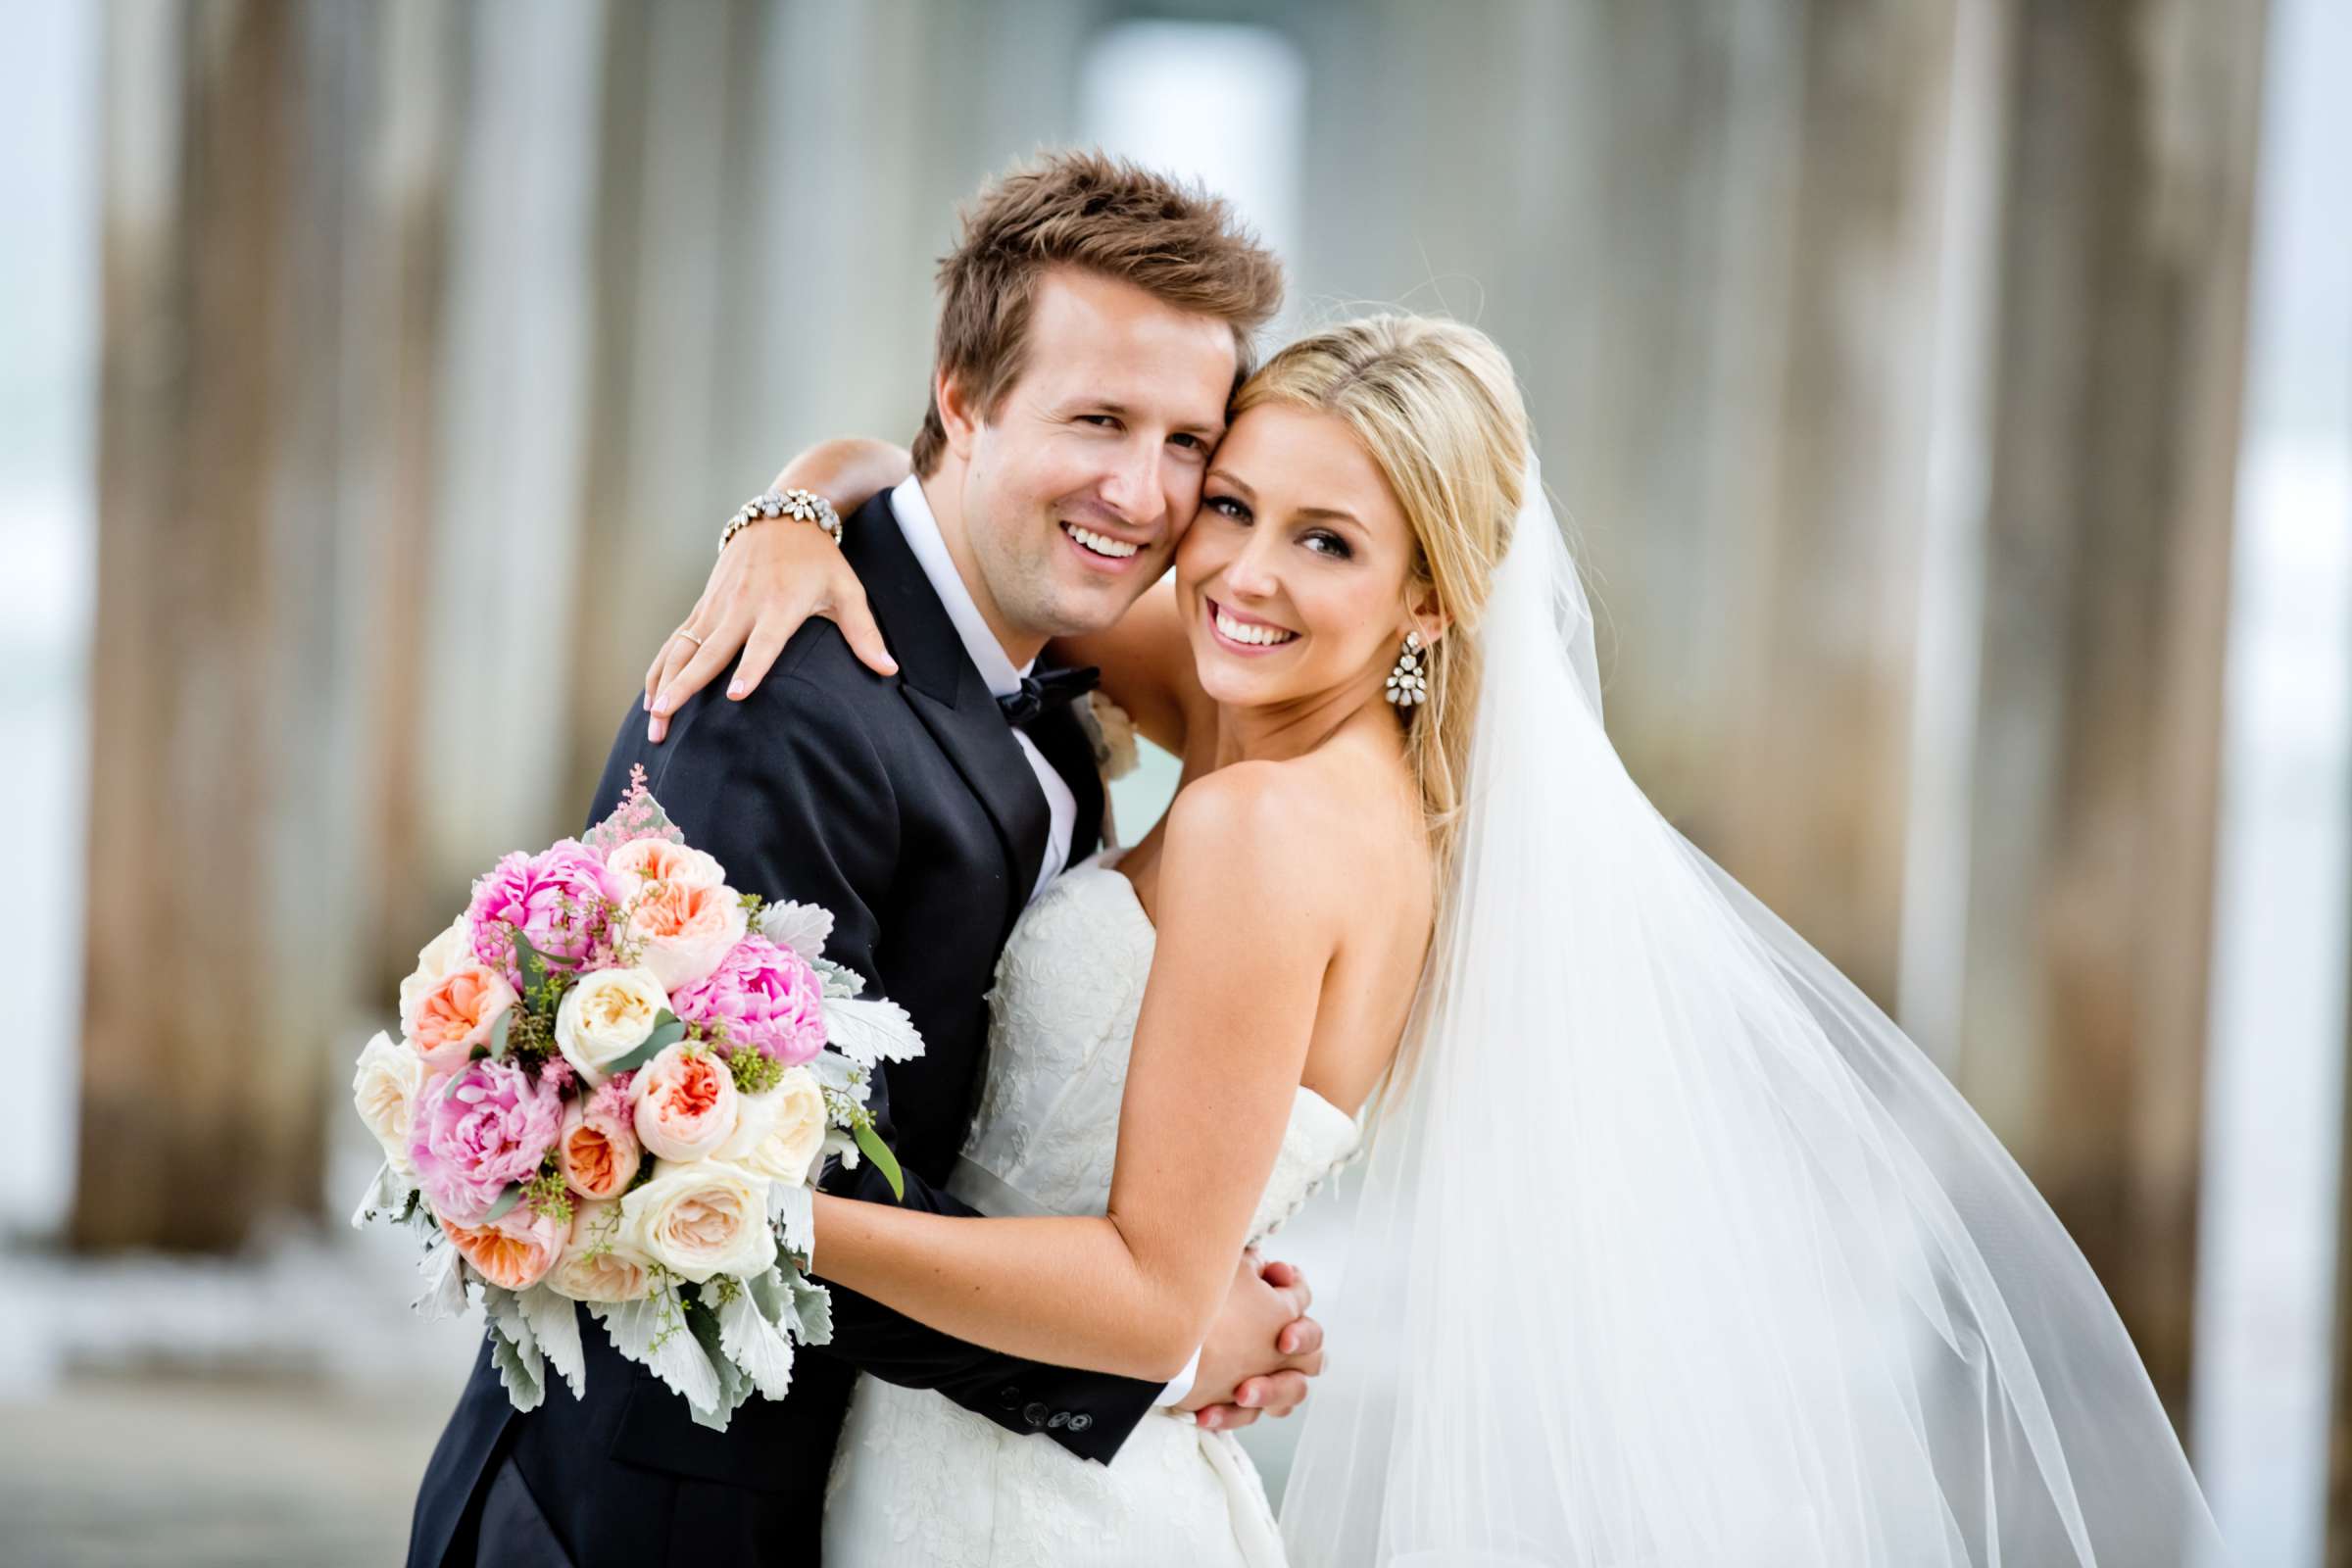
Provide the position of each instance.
(921, 528)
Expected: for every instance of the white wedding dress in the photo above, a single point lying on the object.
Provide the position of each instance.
(921, 1481)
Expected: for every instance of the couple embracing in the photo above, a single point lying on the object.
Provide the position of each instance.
(1671, 1250)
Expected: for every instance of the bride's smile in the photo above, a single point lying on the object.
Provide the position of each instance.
(1297, 577)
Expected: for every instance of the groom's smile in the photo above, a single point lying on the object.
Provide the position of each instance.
(1077, 482)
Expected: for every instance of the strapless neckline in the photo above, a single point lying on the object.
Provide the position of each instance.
(1105, 862)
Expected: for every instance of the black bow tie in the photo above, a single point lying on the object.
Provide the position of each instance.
(1044, 692)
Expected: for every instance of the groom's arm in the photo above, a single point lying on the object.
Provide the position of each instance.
(787, 790)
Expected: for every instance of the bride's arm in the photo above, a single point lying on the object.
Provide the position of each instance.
(774, 576)
(1243, 948)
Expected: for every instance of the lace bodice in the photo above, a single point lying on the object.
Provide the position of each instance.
(919, 1479)
(1062, 1016)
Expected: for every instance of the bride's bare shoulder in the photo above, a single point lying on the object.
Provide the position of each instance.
(1315, 829)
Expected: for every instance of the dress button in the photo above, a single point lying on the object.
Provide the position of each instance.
(1009, 1397)
(1061, 1419)
(1081, 1421)
(1035, 1415)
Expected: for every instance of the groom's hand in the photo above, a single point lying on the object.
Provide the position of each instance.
(1261, 1350)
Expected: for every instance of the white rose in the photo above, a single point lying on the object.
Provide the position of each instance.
(606, 1016)
(701, 1219)
(777, 1134)
(451, 951)
(597, 1265)
(384, 1087)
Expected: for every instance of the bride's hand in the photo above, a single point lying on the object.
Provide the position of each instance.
(771, 578)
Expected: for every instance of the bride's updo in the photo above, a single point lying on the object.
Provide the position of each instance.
(1435, 405)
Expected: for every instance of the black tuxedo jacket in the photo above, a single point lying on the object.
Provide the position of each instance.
(906, 806)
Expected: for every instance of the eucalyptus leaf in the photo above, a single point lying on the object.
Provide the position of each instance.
(884, 1160)
(668, 1030)
(506, 1201)
(528, 960)
(498, 1035)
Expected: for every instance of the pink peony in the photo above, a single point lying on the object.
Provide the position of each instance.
(560, 899)
(766, 998)
(467, 1143)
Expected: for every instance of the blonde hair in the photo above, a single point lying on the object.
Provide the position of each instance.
(1435, 405)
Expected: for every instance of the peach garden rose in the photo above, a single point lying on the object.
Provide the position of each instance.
(682, 933)
(598, 1150)
(514, 1251)
(456, 1012)
(686, 1102)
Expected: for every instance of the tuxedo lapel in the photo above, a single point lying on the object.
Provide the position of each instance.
(946, 692)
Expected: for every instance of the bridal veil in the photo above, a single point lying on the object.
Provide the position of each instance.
(1673, 1251)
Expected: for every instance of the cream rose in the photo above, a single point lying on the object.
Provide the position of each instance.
(777, 1134)
(659, 860)
(384, 1087)
(606, 1016)
(439, 959)
(597, 1265)
(682, 933)
(686, 1102)
(701, 1219)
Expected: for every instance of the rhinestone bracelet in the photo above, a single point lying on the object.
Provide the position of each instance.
(804, 505)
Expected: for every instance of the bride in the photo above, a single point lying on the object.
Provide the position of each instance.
(1672, 1250)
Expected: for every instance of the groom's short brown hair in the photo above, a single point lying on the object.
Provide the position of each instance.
(1176, 242)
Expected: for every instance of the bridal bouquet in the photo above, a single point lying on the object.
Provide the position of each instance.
(614, 1079)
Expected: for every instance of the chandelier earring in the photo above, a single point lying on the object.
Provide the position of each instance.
(1408, 684)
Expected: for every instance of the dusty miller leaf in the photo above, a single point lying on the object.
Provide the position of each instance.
(754, 1343)
(386, 1193)
(811, 1309)
(802, 927)
(519, 1368)
(870, 1032)
(444, 1293)
(556, 1327)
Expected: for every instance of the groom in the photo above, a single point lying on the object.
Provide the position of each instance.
(1095, 321)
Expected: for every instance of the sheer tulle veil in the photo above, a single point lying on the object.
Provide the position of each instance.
(1672, 1251)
